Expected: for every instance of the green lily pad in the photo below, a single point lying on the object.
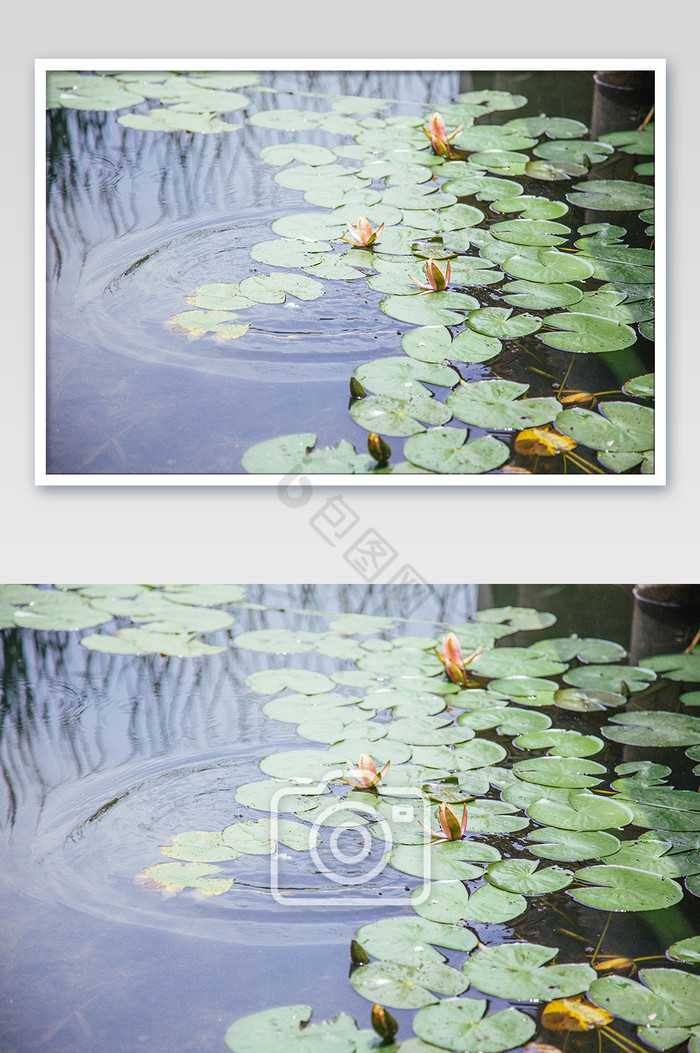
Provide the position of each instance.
(278, 641)
(97, 92)
(198, 876)
(541, 296)
(461, 1025)
(433, 308)
(199, 846)
(573, 772)
(411, 941)
(433, 343)
(531, 207)
(659, 808)
(684, 667)
(519, 971)
(668, 997)
(538, 232)
(483, 187)
(687, 950)
(619, 427)
(304, 153)
(571, 846)
(446, 450)
(587, 701)
(401, 378)
(391, 416)
(57, 610)
(553, 171)
(550, 266)
(496, 404)
(294, 454)
(561, 743)
(143, 641)
(522, 876)
(640, 387)
(583, 812)
(402, 986)
(304, 681)
(261, 836)
(284, 1028)
(436, 862)
(585, 333)
(500, 322)
(654, 728)
(621, 888)
(612, 195)
(515, 661)
(288, 252)
(575, 151)
(566, 648)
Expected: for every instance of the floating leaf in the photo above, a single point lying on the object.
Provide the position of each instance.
(401, 378)
(199, 846)
(687, 950)
(270, 681)
(540, 295)
(433, 343)
(522, 876)
(408, 940)
(515, 661)
(531, 207)
(305, 153)
(685, 667)
(571, 846)
(542, 442)
(460, 1024)
(434, 308)
(624, 888)
(539, 232)
(612, 195)
(652, 728)
(575, 151)
(446, 450)
(611, 677)
(402, 986)
(550, 266)
(572, 772)
(497, 322)
(583, 812)
(561, 743)
(496, 404)
(667, 998)
(277, 641)
(585, 333)
(519, 971)
(177, 876)
(392, 416)
(566, 648)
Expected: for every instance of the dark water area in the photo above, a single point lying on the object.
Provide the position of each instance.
(103, 758)
(138, 220)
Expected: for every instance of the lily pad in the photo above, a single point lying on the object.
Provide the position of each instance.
(571, 846)
(620, 888)
(583, 812)
(654, 728)
(402, 986)
(684, 667)
(550, 266)
(411, 941)
(524, 877)
(619, 427)
(585, 333)
(198, 876)
(446, 450)
(666, 998)
(460, 1024)
(500, 322)
(496, 404)
(433, 343)
(433, 308)
(519, 971)
(402, 378)
(612, 195)
(392, 416)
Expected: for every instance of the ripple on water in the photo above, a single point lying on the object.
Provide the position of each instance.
(128, 289)
(95, 837)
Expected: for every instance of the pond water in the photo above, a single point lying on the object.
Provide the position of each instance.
(139, 219)
(107, 757)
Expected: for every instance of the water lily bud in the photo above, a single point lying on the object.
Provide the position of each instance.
(380, 450)
(452, 827)
(384, 1023)
(358, 955)
(455, 673)
(451, 649)
(356, 389)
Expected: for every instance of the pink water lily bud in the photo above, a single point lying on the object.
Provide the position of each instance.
(455, 673)
(366, 776)
(451, 649)
(436, 279)
(437, 133)
(363, 236)
(451, 825)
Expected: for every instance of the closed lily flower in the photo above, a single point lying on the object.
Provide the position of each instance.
(363, 236)
(437, 133)
(366, 775)
(437, 279)
(451, 825)
(453, 661)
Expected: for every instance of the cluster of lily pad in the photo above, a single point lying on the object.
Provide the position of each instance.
(474, 738)
(165, 620)
(422, 197)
